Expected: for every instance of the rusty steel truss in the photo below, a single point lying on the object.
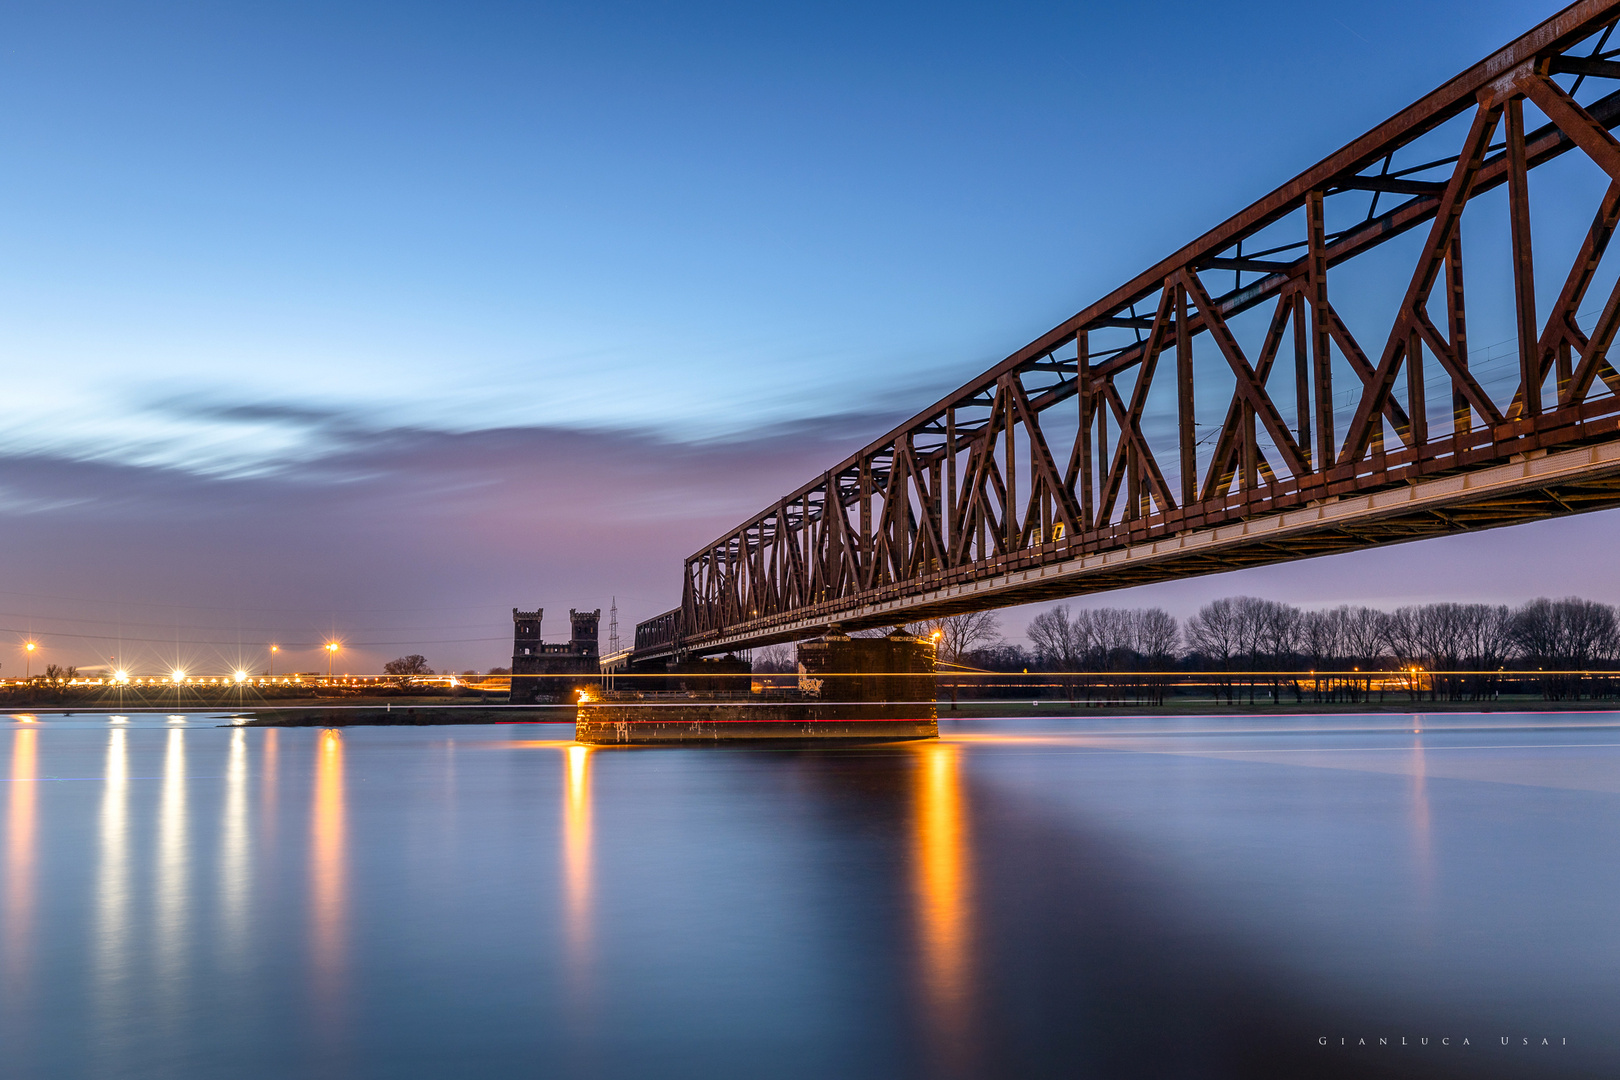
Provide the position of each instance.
(1041, 478)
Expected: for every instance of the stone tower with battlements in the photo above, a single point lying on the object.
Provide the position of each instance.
(553, 674)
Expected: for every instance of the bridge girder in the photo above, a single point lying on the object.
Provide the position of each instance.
(966, 505)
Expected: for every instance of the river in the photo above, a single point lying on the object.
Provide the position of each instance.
(1075, 897)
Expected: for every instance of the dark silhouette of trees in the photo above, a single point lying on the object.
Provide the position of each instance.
(58, 676)
(1442, 639)
(1450, 651)
(1059, 644)
(1129, 642)
(1565, 635)
(414, 664)
(1343, 639)
(775, 659)
(1249, 633)
(1104, 639)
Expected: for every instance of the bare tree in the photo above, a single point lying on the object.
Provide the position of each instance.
(1278, 630)
(961, 634)
(1403, 635)
(1565, 635)
(1323, 637)
(1155, 635)
(414, 664)
(1445, 638)
(1103, 639)
(1060, 645)
(1366, 635)
(776, 659)
(1110, 638)
(1216, 633)
(1487, 633)
(1338, 639)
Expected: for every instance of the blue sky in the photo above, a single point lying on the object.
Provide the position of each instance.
(382, 319)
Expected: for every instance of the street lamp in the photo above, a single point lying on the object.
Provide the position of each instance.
(331, 651)
(28, 663)
(273, 650)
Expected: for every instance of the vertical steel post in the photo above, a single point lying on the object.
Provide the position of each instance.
(1103, 464)
(1457, 317)
(868, 543)
(950, 479)
(1082, 346)
(1302, 378)
(1524, 287)
(1416, 406)
(1184, 402)
(1251, 455)
(1009, 519)
(1321, 334)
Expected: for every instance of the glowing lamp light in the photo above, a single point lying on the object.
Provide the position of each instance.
(121, 677)
(177, 676)
(30, 646)
(241, 676)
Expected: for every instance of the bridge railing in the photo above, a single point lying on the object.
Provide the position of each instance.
(659, 631)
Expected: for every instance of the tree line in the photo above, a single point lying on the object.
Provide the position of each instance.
(1462, 650)
(1458, 651)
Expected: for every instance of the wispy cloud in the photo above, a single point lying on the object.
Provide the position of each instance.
(364, 516)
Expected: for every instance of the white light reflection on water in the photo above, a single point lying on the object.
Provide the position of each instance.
(111, 960)
(171, 936)
(234, 856)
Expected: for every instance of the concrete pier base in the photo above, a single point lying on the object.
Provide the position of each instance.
(630, 723)
(849, 690)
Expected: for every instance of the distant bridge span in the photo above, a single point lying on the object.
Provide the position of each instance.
(1040, 479)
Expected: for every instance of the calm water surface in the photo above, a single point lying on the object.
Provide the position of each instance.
(1064, 897)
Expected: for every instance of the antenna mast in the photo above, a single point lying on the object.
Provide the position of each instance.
(613, 626)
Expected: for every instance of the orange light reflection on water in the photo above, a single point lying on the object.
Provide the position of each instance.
(328, 870)
(267, 785)
(943, 888)
(20, 856)
(577, 853)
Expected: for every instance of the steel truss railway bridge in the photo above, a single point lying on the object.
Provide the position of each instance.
(1218, 410)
